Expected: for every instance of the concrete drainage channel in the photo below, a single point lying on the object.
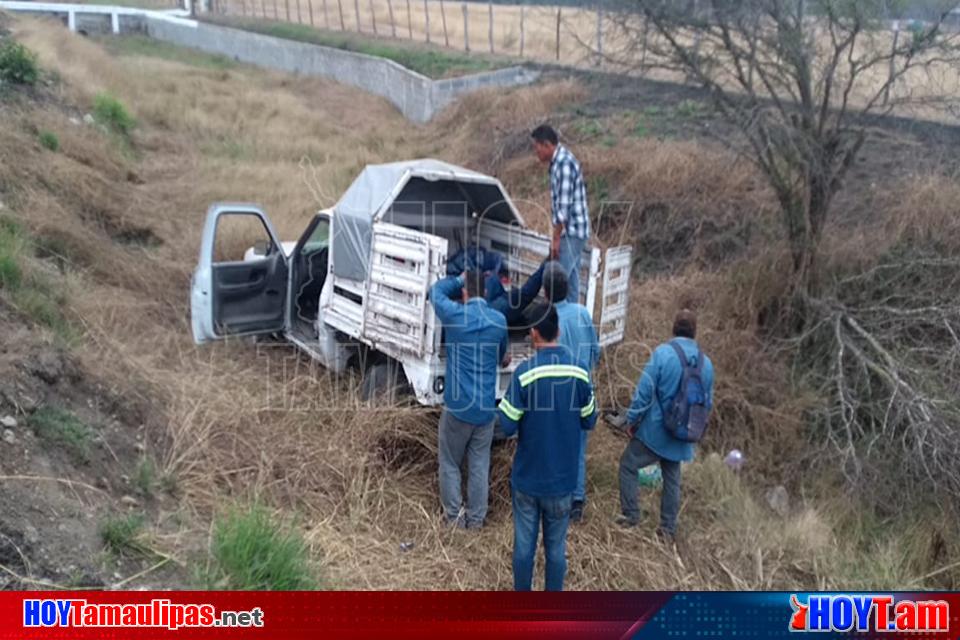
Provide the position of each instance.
(418, 97)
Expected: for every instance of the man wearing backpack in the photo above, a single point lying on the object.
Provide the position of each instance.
(667, 417)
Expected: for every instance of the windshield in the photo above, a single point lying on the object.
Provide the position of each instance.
(319, 238)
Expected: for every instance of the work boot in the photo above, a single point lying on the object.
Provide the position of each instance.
(576, 511)
(455, 523)
(665, 537)
(627, 522)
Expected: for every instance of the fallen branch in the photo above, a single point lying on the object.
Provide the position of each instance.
(69, 483)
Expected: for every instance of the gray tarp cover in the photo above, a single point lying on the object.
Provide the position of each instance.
(379, 185)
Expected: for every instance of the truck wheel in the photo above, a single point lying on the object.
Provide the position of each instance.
(384, 380)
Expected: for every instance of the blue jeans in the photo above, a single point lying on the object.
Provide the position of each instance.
(571, 252)
(580, 493)
(528, 511)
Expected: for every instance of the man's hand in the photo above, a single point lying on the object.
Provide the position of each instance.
(617, 421)
(555, 243)
(507, 359)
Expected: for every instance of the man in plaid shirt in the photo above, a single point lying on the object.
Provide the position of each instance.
(568, 195)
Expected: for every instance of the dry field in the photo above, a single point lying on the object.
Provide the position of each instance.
(569, 36)
(238, 422)
(574, 36)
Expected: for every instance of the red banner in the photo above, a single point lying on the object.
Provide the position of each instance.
(291, 616)
(295, 615)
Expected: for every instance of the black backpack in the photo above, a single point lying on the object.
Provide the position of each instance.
(686, 418)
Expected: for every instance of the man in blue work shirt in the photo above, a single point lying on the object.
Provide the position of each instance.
(568, 203)
(513, 301)
(579, 338)
(476, 339)
(651, 441)
(550, 401)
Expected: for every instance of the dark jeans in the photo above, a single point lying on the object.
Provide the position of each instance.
(528, 511)
(580, 493)
(635, 457)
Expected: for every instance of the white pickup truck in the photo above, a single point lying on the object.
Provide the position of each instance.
(353, 291)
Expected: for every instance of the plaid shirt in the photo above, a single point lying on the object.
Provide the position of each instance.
(568, 194)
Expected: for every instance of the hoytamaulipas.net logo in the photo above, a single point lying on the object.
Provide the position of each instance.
(61, 612)
(863, 613)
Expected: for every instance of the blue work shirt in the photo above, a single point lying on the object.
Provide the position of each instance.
(577, 334)
(658, 385)
(549, 403)
(514, 301)
(476, 339)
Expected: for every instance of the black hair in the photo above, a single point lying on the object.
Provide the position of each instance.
(685, 324)
(555, 285)
(545, 133)
(546, 322)
(474, 284)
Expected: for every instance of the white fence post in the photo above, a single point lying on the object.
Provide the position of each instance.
(523, 33)
(893, 65)
(599, 32)
(426, 15)
(490, 32)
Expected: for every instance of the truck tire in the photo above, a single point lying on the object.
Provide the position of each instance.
(383, 381)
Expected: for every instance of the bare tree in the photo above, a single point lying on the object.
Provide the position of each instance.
(797, 78)
(800, 80)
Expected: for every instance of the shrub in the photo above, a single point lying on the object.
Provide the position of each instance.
(251, 552)
(61, 427)
(111, 113)
(10, 274)
(31, 291)
(49, 140)
(18, 65)
(122, 535)
(11, 246)
(146, 477)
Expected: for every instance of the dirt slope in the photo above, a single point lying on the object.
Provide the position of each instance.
(70, 457)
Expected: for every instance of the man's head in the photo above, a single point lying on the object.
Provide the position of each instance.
(685, 324)
(555, 284)
(545, 326)
(545, 142)
(473, 286)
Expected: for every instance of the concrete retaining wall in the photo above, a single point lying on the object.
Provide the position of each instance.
(409, 91)
(419, 98)
(443, 92)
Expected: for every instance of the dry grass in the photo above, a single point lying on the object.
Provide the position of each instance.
(238, 421)
(410, 21)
